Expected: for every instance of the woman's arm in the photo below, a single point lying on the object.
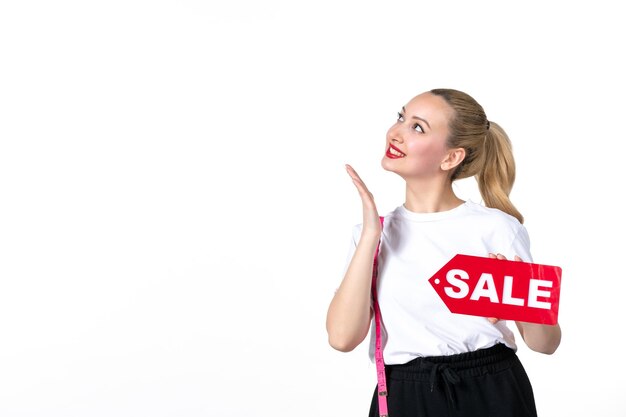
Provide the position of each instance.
(349, 314)
(542, 338)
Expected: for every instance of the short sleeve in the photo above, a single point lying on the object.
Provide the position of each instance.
(521, 245)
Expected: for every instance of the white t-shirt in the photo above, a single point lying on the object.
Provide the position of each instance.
(414, 246)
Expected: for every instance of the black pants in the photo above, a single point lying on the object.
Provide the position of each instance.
(486, 383)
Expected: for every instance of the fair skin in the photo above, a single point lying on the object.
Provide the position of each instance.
(415, 149)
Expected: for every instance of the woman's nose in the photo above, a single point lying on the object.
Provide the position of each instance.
(395, 134)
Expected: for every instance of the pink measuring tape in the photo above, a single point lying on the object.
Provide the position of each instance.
(380, 363)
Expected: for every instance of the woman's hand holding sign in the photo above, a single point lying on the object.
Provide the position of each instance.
(494, 320)
(539, 337)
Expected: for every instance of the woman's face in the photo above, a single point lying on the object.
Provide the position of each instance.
(416, 143)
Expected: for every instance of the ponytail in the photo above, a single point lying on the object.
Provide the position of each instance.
(488, 151)
(496, 178)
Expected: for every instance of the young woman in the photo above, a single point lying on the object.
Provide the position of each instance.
(438, 363)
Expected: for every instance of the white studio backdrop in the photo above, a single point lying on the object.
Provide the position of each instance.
(175, 214)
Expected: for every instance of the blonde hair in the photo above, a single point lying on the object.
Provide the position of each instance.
(488, 150)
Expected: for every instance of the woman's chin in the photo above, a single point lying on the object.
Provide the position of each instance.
(387, 164)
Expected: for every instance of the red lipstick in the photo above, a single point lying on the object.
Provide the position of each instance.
(390, 155)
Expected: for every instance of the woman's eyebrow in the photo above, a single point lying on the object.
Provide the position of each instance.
(416, 117)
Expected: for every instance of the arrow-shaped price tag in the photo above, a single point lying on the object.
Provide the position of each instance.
(509, 290)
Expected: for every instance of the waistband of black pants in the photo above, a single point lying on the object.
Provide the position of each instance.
(452, 369)
(492, 359)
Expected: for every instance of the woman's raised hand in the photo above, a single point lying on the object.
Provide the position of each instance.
(371, 221)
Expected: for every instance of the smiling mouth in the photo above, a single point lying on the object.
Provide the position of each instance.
(394, 153)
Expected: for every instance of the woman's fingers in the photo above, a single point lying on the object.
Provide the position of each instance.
(494, 320)
(357, 180)
(371, 221)
(502, 257)
(366, 196)
(352, 172)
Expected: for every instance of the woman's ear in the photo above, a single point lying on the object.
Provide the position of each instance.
(453, 159)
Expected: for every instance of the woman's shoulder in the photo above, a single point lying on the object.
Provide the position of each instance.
(491, 215)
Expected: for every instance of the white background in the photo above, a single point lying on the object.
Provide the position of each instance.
(175, 214)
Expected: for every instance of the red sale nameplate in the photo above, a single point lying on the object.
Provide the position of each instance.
(508, 290)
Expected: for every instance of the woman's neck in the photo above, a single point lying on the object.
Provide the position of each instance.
(430, 198)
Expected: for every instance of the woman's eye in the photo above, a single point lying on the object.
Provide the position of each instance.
(416, 126)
